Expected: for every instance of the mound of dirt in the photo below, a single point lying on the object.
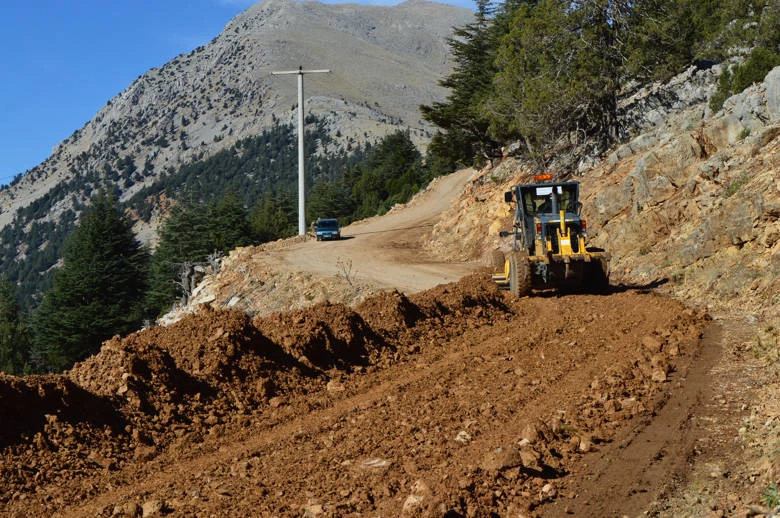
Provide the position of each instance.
(389, 312)
(193, 372)
(473, 300)
(31, 404)
(322, 336)
(471, 295)
(457, 399)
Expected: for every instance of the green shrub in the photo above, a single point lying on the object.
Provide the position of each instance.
(736, 185)
(771, 496)
(753, 70)
(757, 66)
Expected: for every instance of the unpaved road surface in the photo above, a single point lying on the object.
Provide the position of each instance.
(455, 400)
(385, 250)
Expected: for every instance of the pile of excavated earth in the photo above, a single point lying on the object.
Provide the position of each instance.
(456, 399)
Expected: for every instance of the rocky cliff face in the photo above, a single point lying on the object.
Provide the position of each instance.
(385, 61)
(691, 203)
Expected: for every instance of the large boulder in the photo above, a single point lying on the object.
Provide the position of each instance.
(772, 85)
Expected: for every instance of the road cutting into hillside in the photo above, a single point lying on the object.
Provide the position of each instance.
(426, 398)
(385, 250)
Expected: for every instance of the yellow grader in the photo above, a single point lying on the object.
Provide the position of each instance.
(548, 250)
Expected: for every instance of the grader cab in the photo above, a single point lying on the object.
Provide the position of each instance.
(548, 249)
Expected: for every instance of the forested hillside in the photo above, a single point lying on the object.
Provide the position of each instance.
(548, 75)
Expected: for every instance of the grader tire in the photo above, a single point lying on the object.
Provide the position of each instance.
(519, 275)
(597, 276)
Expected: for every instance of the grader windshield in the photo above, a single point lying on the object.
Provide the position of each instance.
(549, 199)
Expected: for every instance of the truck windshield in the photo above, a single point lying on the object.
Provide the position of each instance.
(328, 223)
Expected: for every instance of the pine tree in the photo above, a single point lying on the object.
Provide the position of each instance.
(227, 222)
(559, 72)
(329, 199)
(391, 164)
(661, 38)
(273, 218)
(98, 291)
(185, 236)
(464, 134)
(14, 336)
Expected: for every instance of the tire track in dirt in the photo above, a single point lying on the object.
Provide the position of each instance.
(653, 454)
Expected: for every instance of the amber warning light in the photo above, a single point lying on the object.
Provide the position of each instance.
(542, 177)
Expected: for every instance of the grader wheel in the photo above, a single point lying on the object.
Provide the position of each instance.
(597, 276)
(519, 275)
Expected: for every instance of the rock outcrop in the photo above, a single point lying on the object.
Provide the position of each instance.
(691, 204)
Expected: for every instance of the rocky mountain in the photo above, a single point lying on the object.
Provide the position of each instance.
(384, 62)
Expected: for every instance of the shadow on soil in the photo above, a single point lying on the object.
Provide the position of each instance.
(607, 290)
(28, 404)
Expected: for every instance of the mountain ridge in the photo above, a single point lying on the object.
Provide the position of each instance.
(206, 100)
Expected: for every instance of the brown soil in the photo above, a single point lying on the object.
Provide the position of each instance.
(456, 400)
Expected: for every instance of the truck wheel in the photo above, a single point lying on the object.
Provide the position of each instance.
(499, 261)
(519, 275)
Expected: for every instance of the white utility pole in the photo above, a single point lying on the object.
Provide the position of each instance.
(301, 179)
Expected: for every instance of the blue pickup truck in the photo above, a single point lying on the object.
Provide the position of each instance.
(327, 229)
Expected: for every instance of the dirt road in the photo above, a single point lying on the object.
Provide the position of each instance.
(456, 400)
(385, 250)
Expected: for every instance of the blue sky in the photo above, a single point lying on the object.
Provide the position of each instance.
(62, 60)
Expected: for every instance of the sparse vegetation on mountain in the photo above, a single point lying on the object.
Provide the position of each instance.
(753, 70)
(266, 163)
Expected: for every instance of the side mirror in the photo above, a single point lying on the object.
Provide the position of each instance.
(508, 197)
(504, 233)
